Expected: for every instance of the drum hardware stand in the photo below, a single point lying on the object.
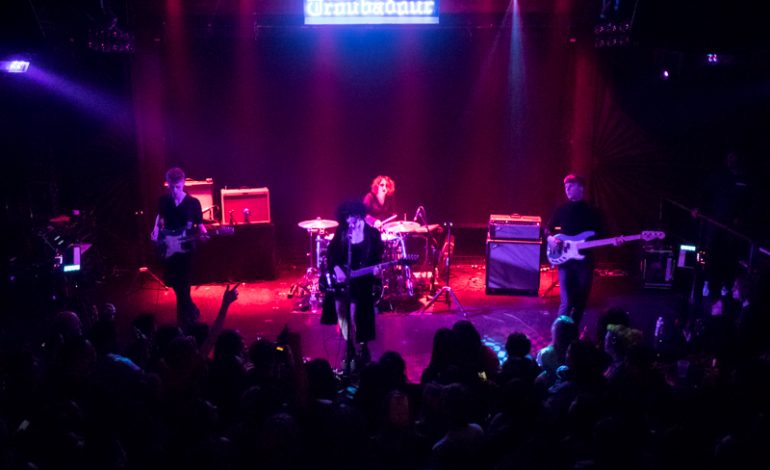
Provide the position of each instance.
(307, 288)
(446, 290)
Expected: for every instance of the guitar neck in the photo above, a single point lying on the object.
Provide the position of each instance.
(370, 269)
(607, 241)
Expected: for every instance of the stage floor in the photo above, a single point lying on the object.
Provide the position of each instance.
(264, 308)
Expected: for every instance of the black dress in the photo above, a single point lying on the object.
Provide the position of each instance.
(366, 253)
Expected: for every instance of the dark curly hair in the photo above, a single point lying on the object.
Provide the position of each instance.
(350, 208)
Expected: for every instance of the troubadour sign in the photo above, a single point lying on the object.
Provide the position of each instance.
(371, 11)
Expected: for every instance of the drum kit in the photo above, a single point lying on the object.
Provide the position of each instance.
(398, 281)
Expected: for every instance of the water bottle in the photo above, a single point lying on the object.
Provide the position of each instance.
(659, 335)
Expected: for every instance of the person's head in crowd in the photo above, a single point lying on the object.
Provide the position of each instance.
(456, 405)
(144, 326)
(229, 345)
(518, 345)
(613, 316)
(107, 312)
(180, 354)
(584, 362)
(394, 367)
(444, 347)
(104, 337)
(468, 340)
(199, 331)
(163, 338)
(619, 340)
(563, 332)
(321, 382)
(67, 325)
(741, 289)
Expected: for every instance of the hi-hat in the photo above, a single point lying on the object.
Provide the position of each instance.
(318, 224)
(401, 226)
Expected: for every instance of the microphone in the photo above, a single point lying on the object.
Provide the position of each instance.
(417, 213)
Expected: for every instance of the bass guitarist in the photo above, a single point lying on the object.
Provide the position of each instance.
(179, 216)
(355, 245)
(572, 218)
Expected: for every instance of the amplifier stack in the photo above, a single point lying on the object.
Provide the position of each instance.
(513, 254)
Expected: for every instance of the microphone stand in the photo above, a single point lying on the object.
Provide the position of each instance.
(446, 289)
(350, 352)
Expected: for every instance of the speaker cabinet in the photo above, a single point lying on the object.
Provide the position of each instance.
(658, 268)
(513, 267)
(245, 206)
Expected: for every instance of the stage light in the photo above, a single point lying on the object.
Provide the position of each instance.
(712, 59)
(15, 66)
(664, 74)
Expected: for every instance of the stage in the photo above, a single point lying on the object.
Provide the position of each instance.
(265, 307)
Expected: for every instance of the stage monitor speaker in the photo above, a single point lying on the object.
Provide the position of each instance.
(513, 267)
(246, 206)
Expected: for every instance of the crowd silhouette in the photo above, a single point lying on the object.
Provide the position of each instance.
(80, 396)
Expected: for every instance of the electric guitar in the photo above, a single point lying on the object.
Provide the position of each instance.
(570, 246)
(171, 242)
(329, 281)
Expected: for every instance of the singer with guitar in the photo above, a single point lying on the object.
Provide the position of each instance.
(572, 218)
(355, 245)
(179, 218)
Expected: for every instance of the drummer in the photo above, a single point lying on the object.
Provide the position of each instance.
(379, 201)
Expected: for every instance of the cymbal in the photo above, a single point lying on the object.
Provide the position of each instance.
(401, 226)
(318, 224)
(427, 228)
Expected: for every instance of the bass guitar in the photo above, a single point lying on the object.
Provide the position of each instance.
(329, 281)
(569, 247)
(171, 242)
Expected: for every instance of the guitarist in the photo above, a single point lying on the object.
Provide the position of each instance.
(355, 245)
(179, 213)
(572, 218)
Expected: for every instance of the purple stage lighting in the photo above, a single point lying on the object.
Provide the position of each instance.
(712, 58)
(664, 75)
(15, 66)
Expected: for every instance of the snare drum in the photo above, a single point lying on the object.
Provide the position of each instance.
(394, 246)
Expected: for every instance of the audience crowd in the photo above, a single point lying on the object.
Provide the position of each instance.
(691, 396)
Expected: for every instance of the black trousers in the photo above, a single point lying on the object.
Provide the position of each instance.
(178, 276)
(575, 279)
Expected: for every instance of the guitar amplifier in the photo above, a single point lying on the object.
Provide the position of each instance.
(246, 206)
(204, 192)
(514, 227)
